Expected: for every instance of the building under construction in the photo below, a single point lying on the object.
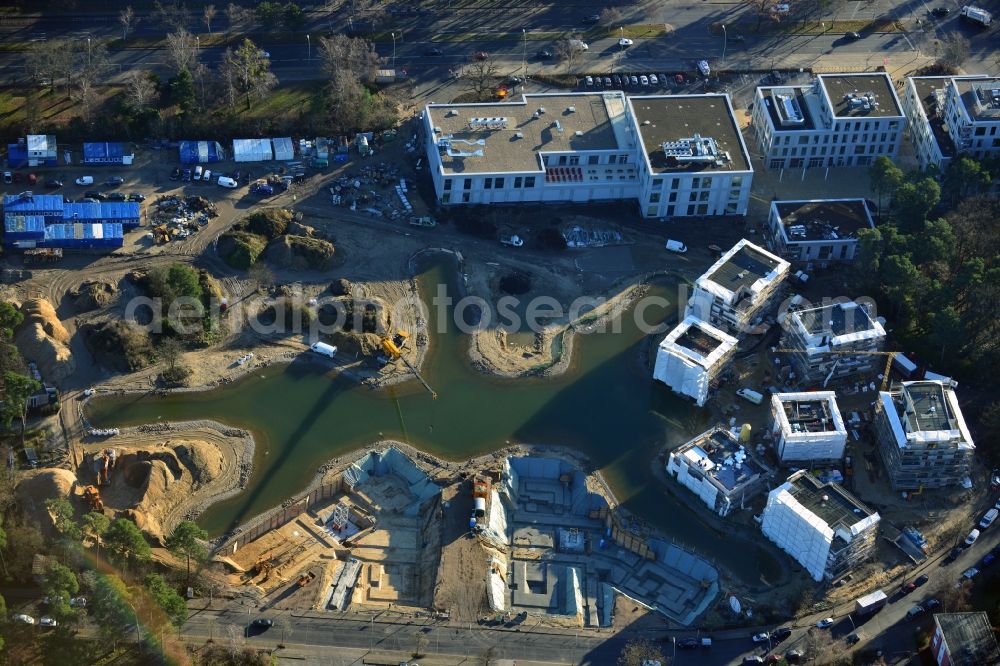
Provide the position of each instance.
(807, 427)
(692, 356)
(822, 339)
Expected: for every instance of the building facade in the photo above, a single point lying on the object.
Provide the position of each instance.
(964, 639)
(833, 341)
(581, 147)
(817, 232)
(47, 221)
(953, 115)
(719, 470)
(922, 436)
(820, 525)
(838, 120)
(691, 356)
(737, 290)
(807, 427)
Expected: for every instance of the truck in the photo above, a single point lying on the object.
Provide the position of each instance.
(751, 395)
(870, 603)
(976, 15)
(324, 349)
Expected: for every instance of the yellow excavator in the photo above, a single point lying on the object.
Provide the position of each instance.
(392, 348)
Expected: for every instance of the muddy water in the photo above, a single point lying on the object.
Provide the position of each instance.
(606, 406)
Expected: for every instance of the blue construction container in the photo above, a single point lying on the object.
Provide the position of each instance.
(49, 206)
(106, 154)
(17, 155)
(125, 213)
(84, 236)
(200, 152)
(84, 211)
(23, 228)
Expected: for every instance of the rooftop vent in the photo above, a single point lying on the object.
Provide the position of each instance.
(541, 109)
(579, 132)
(696, 149)
(451, 112)
(519, 135)
(571, 109)
(825, 498)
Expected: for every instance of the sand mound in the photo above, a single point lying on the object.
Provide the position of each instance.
(364, 345)
(38, 485)
(300, 253)
(93, 295)
(43, 339)
(296, 228)
(149, 483)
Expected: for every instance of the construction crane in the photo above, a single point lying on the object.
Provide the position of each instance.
(890, 355)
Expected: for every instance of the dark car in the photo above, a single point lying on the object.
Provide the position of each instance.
(737, 38)
(953, 555)
(794, 656)
(931, 604)
(617, 80)
(852, 639)
(175, 174)
(921, 580)
(433, 51)
(53, 184)
(781, 633)
(115, 196)
(236, 175)
(688, 643)
(545, 54)
(135, 196)
(187, 175)
(95, 195)
(987, 560)
(481, 55)
(853, 35)
(756, 659)
(114, 181)
(262, 623)
(592, 18)
(607, 81)
(940, 11)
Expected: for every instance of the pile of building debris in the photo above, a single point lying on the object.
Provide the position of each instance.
(176, 217)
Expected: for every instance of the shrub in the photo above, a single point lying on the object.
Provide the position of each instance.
(240, 249)
(269, 223)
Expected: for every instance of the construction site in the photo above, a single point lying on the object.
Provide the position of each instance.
(367, 539)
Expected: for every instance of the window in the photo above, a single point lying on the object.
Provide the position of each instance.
(815, 162)
(468, 184)
(445, 198)
(731, 208)
(795, 163)
(826, 252)
(674, 184)
(447, 184)
(843, 251)
(593, 159)
(776, 164)
(702, 209)
(574, 160)
(670, 211)
(545, 160)
(883, 137)
(562, 160)
(651, 211)
(517, 182)
(695, 183)
(803, 140)
(465, 197)
(498, 183)
(703, 195)
(487, 183)
(622, 159)
(737, 181)
(529, 181)
(706, 183)
(693, 196)
(980, 131)
(654, 197)
(657, 183)
(672, 198)
(691, 209)
(858, 150)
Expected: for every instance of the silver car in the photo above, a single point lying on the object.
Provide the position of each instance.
(644, 80)
(653, 80)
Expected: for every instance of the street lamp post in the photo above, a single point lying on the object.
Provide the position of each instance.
(394, 50)
(138, 640)
(88, 52)
(524, 53)
(309, 45)
(725, 41)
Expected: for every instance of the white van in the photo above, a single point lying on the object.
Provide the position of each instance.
(578, 45)
(751, 395)
(197, 173)
(208, 175)
(226, 181)
(322, 348)
(676, 246)
(976, 15)
(988, 519)
(971, 539)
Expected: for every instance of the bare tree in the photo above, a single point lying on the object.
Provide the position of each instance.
(639, 651)
(50, 61)
(172, 13)
(611, 16)
(207, 15)
(128, 20)
(480, 76)
(139, 90)
(372, 11)
(250, 69)
(568, 51)
(765, 9)
(92, 63)
(85, 98)
(954, 50)
(236, 15)
(351, 54)
(182, 50)
(201, 75)
(347, 102)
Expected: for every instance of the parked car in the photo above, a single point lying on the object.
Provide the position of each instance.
(607, 81)
(988, 518)
(762, 637)
(617, 80)
(794, 656)
(137, 197)
(187, 175)
(53, 184)
(970, 573)
(625, 41)
(8, 177)
(545, 54)
(688, 643)
(114, 181)
(236, 175)
(931, 604)
(589, 80)
(263, 623)
(481, 55)
(825, 623)
(853, 35)
(755, 659)
(433, 51)
(781, 633)
(91, 194)
(26, 619)
(971, 539)
(634, 80)
(80, 602)
(197, 173)
(84, 180)
(228, 182)
(46, 621)
(853, 638)
(653, 80)
(207, 176)
(644, 80)
(175, 174)
(115, 196)
(995, 479)
(262, 189)
(676, 246)
(920, 580)
(987, 560)
(953, 555)
(915, 611)
(940, 12)
(908, 587)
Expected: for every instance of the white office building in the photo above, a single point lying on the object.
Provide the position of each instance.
(719, 470)
(807, 427)
(817, 232)
(820, 525)
(838, 120)
(953, 115)
(691, 356)
(676, 156)
(734, 293)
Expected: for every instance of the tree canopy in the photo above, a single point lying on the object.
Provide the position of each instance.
(125, 545)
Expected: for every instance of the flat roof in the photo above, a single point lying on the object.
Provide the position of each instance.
(926, 88)
(836, 319)
(809, 415)
(743, 268)
(842, 87)
(828, 501)
(931, 410)
(699, 341)
(770, 94)
(970, 638)
(730, 464)
(980, 96)
(589, 126)
(823, 219)
(671, 118)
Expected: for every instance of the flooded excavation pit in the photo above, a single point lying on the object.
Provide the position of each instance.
(601, 402)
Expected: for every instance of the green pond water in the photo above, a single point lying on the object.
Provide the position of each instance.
(606, 405)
